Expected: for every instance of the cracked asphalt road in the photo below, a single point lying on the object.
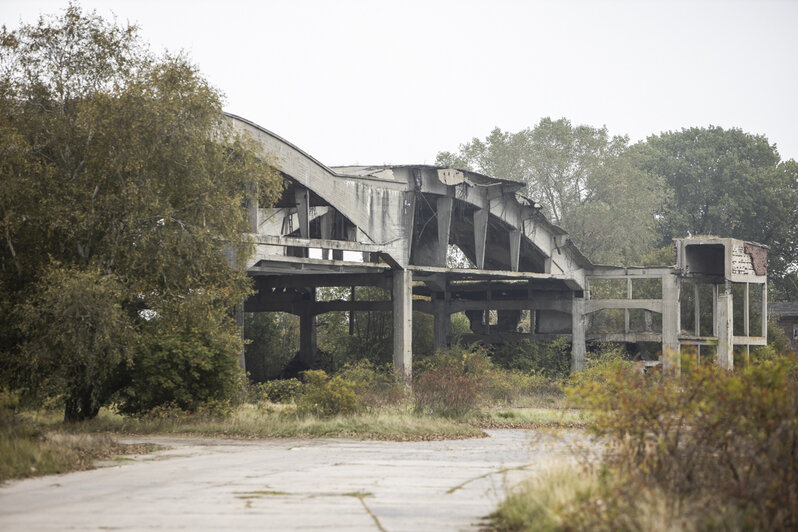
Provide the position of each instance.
(324, 484)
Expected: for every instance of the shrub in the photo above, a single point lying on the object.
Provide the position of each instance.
(446, 392)
(710, 437)
(374, 385)
(326, 397)
(550, 359)
(279, 391)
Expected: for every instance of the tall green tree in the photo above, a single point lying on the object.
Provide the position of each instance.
(586, 180)
(727, 182)
(118, 161)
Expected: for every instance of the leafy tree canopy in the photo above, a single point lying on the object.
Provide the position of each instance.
(117, 161)
(729, 183)
(586, 180)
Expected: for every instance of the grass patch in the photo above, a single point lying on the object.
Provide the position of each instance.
(278, 421)
(532, 418)
(28, 453)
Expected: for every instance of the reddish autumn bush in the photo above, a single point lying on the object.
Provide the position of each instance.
(445, 391)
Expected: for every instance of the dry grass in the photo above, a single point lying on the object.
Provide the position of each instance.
(28, 454)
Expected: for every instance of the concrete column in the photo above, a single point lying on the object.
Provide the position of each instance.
(765, 310)
(302, 199)
(307, 334)
(578, 348)
(444, 209)
(480, 234)
(671, 325)
(403, 324)
(326, 231)
(443, 323)
(307, 339)
(515, 249)
(725, 325)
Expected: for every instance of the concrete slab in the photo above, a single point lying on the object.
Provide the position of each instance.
(210, 484)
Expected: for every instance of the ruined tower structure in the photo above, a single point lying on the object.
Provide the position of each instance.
(392, 226)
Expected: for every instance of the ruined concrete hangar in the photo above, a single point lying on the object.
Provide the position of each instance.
(391, 227)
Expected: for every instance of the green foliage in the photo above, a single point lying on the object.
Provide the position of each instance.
(279, 390)
(374, 385)
(588, 182)
(188, 356)
(79, 336)
(117, 165)
(716, 439)
(273, 339)
(730, 183)
(323, 396)
(549, 359)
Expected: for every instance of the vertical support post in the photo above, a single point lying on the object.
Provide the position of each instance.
(746, 310)
(443, 321)
(444, 208)
(765, 310)
(403, 324)
(671, 323)
(302, 199)
(697, 309)
(515, 249)
(714, 310)
(352, 313)
(578, 348)
(626, 320)
(326, 231)
(480, 234)
(725, 324)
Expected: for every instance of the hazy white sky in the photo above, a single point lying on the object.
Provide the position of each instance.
(378, 82)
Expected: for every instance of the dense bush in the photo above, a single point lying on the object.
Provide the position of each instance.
(444, 391)
(325, 397)
(279, 390)
(724, 443)
(375, 385)
(550, 359)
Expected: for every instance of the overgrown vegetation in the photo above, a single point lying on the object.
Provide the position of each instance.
(709, 450)
(120, 215)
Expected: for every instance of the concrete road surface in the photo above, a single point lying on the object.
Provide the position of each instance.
(325, 484)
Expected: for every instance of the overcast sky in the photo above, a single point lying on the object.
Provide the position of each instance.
(373, 82)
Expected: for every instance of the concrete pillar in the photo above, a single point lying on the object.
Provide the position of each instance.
(443, 323)
(307, 339)
(403, 324)
(725, 326)
(578, 348)
(515, 249)
(444, 209)
(302, 199)
(480, 235)
(671, 325)
(326, 231)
